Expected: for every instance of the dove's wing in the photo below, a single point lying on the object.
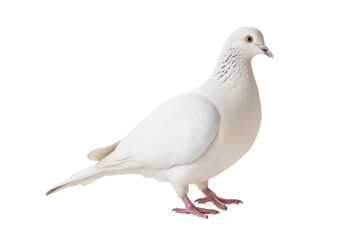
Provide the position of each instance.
(178, 132)
(100, 153)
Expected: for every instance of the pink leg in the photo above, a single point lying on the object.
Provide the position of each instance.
(190, 208)
(217, 201)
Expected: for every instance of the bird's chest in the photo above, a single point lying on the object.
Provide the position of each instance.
(240, 122)
(241, 125)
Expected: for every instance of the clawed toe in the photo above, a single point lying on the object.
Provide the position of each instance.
(229, 201)
(190, 208)
(217, 201)
(207, 211)
(200, 212)
(202, 200)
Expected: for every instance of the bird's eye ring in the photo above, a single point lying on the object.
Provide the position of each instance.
(249, 39)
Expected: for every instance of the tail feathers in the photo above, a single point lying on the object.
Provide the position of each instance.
(85, 176)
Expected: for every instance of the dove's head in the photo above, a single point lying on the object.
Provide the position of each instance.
(248, 41)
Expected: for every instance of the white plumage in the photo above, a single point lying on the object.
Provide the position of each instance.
(195, 136)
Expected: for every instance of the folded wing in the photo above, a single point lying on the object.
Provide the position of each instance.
(178, 132)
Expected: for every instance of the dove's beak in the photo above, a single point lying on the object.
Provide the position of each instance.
(265, 50)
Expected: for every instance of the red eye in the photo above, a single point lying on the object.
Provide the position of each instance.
(249, 39)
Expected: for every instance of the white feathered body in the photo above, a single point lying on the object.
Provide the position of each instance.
(190, 138)
(236, 116)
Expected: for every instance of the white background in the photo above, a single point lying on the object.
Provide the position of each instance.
(77, 75)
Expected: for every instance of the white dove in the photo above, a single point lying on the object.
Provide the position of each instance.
(195, 136)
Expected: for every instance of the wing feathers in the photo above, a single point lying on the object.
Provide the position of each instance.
(100, 153)
(178, 132)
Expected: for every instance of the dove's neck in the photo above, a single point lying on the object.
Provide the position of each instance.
(232, 70)
(232, 81)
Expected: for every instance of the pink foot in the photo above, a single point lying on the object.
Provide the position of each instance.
(190, 208)
(217, 201)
